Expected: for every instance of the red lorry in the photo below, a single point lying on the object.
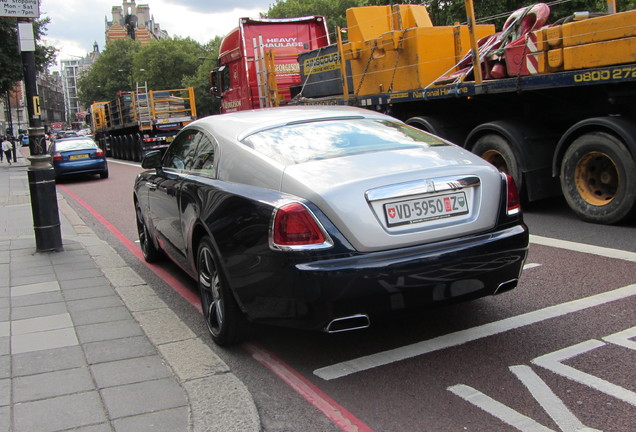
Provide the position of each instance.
(257, 46)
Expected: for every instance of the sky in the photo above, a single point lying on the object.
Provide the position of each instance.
(76, 24)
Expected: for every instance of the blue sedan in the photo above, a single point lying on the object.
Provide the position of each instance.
(79, 155)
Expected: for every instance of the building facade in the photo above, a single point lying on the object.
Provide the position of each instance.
(135, 22)
(71, 70)
(14, 117)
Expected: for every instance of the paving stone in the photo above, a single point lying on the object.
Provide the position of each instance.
(47, 361)
(5, 392)
(83, 282)
(163, 326)
(109, 330)
(94, 303)
(37, 299)
(130, 371)
(5, 366)
(191, 359)
(128, 400)
(35, 288)
(31, 279)
(118, 349)
(63, 412)
(79, 274)
(5, 418)
(25, 312)
(97, 316)
(46, 385)
(90, 292)
(172, 420)
(43, 340)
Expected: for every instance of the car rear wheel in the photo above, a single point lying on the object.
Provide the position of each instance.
(148, 249)
(222, 315)
(104, 174)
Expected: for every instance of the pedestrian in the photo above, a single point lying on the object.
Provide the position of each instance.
(6, 149)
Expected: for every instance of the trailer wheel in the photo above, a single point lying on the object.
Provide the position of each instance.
(115, 143)
(496, 150)
(118, 146)
(140, 147)
(129, 143)
(108, 146)
(598, 179)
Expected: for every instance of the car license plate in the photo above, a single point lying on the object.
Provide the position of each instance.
(79, 156)
(425, 209)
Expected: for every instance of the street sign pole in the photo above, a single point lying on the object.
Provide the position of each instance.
(46, 218)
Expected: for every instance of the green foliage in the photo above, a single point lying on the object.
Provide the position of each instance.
(447, 12)
(169, 63)
(200, 80)
(111, 72)
(10, 58)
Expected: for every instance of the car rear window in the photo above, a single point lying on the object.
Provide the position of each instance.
(298, 143)
(75, 145)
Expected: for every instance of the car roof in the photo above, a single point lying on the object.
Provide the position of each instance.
(241, 124)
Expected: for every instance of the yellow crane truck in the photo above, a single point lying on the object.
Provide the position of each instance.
(136, 122)
(552, 104)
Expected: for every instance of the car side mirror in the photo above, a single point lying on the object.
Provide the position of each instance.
(152, 159)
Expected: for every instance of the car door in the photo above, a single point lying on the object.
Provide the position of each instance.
(164, 194)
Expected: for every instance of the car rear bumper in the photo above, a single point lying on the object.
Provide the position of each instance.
(312, 294)
(80, 167)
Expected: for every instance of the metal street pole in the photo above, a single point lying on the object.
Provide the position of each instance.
(46, 218)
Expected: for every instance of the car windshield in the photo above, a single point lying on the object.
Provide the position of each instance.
(71, 145)
(303, 142)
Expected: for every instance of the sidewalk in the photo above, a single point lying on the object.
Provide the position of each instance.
(86, 345)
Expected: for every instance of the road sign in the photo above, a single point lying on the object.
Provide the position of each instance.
(20, 8)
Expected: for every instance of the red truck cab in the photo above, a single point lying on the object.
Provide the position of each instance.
(241, 80)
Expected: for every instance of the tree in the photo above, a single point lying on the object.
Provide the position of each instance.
(111, 72)
(164, 63)
(200, 80)
(10, 58)
(447, 12)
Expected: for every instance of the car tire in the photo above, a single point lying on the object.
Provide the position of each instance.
(148, 249)
(598, 179)
(104, 174)
(223, 317)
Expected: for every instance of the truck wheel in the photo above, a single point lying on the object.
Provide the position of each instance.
(108, 146)
(496, 150)
(139, 150)
(598, 179)
(128, 147)
(117, 147)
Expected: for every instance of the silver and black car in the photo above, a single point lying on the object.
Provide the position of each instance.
(323, 218)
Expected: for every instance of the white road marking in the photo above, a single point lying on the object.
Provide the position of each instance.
(622, 338)
(497, 409)
(531, 265)
(553, 362)
(585, 248)
(349, 367)
(549, 401)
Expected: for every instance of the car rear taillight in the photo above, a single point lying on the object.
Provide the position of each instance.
(513, 203)
(295, 227)
(57, 156)
(99, 152)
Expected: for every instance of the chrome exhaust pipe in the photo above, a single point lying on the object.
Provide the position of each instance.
(353, 322)
(506, 286)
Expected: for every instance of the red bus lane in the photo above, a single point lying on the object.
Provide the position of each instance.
(557, 353)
